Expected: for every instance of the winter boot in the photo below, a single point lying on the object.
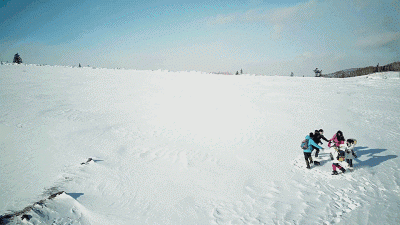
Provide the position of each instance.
(308, 164)
(334, 172)
(350, 163)
(343, 170)
(316, 163)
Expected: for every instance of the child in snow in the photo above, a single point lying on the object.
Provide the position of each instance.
(307, 152)
(337, 139)
(350, 155)
(318, 135)
(338, 157)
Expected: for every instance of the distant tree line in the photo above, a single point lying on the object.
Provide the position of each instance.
(364, 71)
(224, 73)
(389, 67)
(228, 73)
(239, 72)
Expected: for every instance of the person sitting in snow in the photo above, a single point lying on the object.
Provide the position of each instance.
(337, 139)
(350, 155)
(338, 157)
(307, 152)
(318, 135)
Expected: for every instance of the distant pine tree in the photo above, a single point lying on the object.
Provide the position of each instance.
(17, 59)
(80, 65)
(237, 72)
(241, 71)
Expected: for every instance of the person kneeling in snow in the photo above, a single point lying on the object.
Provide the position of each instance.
(307, 152)
(338, 157)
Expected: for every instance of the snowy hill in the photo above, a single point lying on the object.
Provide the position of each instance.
(353, 72)
(193, 148)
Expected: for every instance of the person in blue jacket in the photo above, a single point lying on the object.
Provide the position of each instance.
(307, 152)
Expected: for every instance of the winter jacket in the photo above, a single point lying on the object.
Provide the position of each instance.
(350, 152)
(334, 141)
(317, 138)
(310, 144)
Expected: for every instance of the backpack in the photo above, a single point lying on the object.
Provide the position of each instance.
(341, 156)
(304, 144)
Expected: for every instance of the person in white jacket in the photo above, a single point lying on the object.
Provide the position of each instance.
(350, 155)
(336, 162)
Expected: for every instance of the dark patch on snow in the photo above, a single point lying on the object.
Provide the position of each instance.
(85, 163)
(4, 219)
(26, 217)
(56, 194)
(90, 160)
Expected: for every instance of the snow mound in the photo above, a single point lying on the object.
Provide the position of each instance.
(383, 75)
(60, 208)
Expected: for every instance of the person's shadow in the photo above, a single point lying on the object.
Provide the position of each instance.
(372, 158)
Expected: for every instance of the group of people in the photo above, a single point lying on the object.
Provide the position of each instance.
(340, 151)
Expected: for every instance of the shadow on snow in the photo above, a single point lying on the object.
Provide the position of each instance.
(75, 195)
(371, 154)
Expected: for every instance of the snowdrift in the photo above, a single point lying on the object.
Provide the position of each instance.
(59, 208)
(384, 75)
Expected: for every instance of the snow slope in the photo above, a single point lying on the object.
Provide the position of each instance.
(193, 148)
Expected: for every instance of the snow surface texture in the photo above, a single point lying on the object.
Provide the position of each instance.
(193, 148)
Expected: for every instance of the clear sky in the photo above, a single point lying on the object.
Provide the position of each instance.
(274, 37)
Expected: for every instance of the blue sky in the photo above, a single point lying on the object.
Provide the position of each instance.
(260, 37)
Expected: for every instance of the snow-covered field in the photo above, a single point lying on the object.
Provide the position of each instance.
(193, 148)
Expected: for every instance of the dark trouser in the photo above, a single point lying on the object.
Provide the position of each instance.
(307, 157)
(316, 151)
(350, 162)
